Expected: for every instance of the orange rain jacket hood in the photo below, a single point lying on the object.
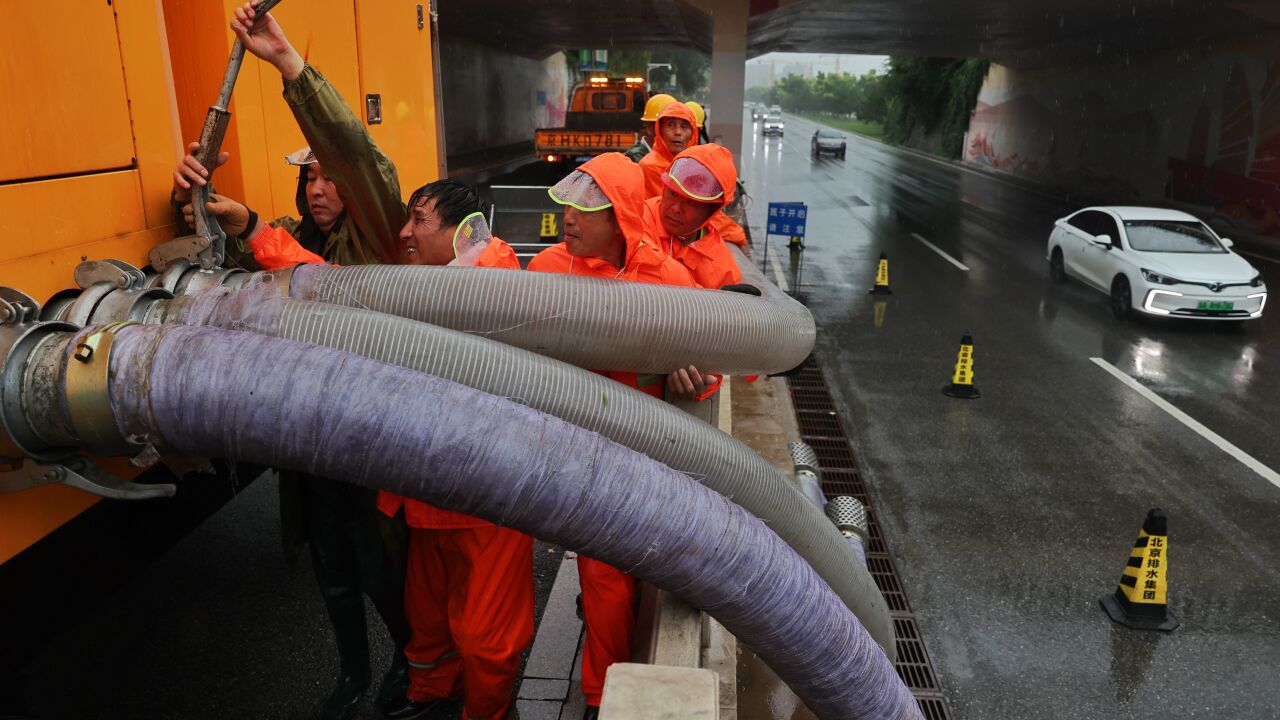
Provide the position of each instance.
(623, 184)
(707, 258)
(658, 161)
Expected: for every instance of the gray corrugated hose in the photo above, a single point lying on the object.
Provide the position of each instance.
(591, 323)
(214, 392)
(583, 398)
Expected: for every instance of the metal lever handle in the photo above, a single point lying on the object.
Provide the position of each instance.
(81, 473)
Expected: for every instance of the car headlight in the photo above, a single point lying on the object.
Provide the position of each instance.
(1257, 280)
(1155, 277)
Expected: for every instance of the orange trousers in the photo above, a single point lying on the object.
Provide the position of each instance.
(469, 600)
(609, 613)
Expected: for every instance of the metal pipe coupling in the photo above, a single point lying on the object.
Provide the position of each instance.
(849, 516)
(808, 474)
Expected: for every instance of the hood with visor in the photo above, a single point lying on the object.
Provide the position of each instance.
(607, 181)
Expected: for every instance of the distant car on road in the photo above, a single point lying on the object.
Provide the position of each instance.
(757, 112)
(1157, 262)
(775, 109)
(772, 124)
(827, 141)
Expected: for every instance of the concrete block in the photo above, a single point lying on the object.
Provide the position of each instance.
(678, 637)
(720, 655)
(657, 692)
(544, 689)
(560, 631)
(538, 710)
(576, 703)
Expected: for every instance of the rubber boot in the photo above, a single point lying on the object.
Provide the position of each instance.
(346, 612)
(396, 682)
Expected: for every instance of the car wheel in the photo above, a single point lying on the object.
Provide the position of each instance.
(1121, 298)
(1057, 273)
(841, 154)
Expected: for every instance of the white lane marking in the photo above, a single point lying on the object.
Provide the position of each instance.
(940, 251)
(777, 270)
(1256, 255)
(1246, 459)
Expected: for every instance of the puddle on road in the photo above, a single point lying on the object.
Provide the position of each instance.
(762, 696)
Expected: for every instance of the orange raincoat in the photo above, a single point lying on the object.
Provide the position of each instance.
(608, 594)
(706, 258)
(468, 592)
(469, 583)
(659, 161)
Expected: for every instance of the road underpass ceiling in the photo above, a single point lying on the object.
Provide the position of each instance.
(538, 29)
(1013, 32)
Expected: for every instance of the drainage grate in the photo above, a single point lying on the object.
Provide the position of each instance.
(886, 577)
(934, 707)
(820, 426)
(913, 662)
(844, 482)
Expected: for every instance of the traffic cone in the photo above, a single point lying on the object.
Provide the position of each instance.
(1140, 601)
(962, 379)
(882, 277)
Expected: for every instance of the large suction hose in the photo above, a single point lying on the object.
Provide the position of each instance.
(209, 391)
(591, 323)
(586, 399)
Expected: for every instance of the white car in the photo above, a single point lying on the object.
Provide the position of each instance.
(1158, 262)
(773, 125)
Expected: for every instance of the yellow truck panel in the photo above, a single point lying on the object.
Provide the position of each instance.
(65, 109)
(99, 102)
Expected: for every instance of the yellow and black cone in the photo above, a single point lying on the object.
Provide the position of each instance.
(1141, 599)
(962, 379)
(548, 231)
(882, 277)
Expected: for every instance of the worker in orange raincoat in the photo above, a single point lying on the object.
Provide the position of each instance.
(469, 589)
(677, 130)
(604, 237)
(468, 593)
(697, 186)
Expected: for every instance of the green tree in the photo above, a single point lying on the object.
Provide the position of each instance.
(932, 95)
(629, 62)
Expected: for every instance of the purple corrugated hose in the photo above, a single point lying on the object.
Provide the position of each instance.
(221, 393)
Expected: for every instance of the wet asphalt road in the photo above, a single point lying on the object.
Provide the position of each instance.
(220, 627)
(1011, 515)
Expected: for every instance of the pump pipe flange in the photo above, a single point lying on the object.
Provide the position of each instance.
(88, 399)
(123, 305)
(20, 332)
(116, 272)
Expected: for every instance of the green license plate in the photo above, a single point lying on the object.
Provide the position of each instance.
(1215, 305)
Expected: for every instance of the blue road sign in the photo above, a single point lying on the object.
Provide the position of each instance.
(787, 219)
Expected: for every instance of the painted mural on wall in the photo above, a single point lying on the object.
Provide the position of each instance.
(1241, 180)
(1201, 132)
(494, 99)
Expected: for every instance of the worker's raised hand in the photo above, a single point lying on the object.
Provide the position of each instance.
(686, 383)
(190, 172)
(261, 36)
(232, 216)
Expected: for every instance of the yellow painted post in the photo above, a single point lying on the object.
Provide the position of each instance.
(1141, 600)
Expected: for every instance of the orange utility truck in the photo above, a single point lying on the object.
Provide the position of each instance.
(603, 116)
(100, 99)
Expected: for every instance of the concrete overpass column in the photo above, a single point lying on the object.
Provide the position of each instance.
(728, 70)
